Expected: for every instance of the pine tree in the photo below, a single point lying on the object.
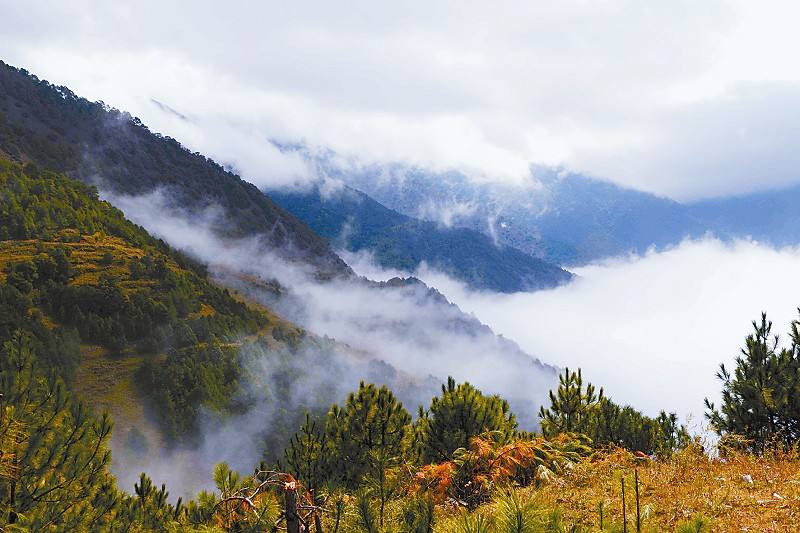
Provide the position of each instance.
(571, 406)
(459, 414)
(59, 478)
(761, 399)
(369, 433)
(309, 456)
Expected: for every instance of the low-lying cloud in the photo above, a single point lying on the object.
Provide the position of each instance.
(652, 329)
(400, 334)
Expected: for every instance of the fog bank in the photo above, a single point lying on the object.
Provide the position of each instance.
(652, 329)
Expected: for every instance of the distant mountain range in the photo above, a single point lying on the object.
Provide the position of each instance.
(570, 219)
(354, 221)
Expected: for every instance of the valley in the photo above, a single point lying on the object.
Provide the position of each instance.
(385, 269)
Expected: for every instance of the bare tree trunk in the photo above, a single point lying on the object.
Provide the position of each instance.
(292, 518)
(12, 492)
(317, 519)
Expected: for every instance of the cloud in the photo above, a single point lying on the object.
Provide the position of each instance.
(612, 89)
(276, 388)
(652, 329)
(407, 326)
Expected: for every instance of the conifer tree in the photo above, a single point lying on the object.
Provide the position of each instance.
(369, 433)
(571, 406)
(459, 414)
(761, 399)
(310, 456)
(59, 478)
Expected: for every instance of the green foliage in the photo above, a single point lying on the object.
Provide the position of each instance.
(59, 478)
(571, 406)
(152, 299)
(368, 434)
(418, 514)
(57, 349)
(367, 518)
(576, 407)
(698, 524)
(515, 516)
(761, 399)
(104, 313)
(58, 130)
(189, 379)
(629, 428)
(149, 508)
(309, 456)
(454, 418)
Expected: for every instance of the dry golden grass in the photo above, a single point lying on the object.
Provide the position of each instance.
(109, 381)
(740, 493)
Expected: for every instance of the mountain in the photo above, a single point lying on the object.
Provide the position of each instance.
(567, 218)
(48, 127)
(55, 129)
(138, 330)
(768, 216)
(115, 299)
(354, 221)
(563, 218)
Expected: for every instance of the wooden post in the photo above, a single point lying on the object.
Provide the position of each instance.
(624, 510)
(292, 518)
(638, 515)
(601, 516)
(12, 492)
(317, 519)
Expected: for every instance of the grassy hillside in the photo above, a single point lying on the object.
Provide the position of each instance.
(686, 493)
(57, 130)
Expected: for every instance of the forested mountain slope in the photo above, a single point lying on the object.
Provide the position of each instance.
(55, 129)
(100, 292)
(129, 322)
(136, 328)
(352, 220)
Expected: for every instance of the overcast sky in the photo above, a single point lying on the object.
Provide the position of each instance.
(686, 99)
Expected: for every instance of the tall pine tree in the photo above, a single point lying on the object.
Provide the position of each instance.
(454, 418)
(761, 398)
(571, 406)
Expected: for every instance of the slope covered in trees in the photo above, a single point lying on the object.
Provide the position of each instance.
(55, 129)
(356, 222)
(82, 281)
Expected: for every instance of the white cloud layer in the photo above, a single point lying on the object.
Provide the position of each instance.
(652, 329)
(682, 98)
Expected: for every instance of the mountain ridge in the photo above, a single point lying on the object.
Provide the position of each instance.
(356, 222)
(52, 127)
(567, 218)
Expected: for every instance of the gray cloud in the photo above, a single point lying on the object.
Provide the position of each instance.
(612, 89)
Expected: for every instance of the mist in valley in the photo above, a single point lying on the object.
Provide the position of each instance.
(651, 329)
(402, 334)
